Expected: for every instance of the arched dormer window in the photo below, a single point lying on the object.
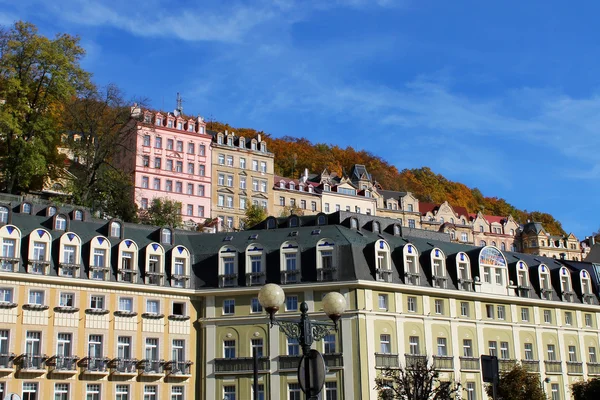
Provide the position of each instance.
(166, 236)
(271, 223)
(60, 222)
(293, 221)
(326, 188)
(10, 240)
(51, 211)
(290, 262)
(586, 287)
(281, 184)
(242, 143)
(463, 221)
(26, 208)
(253, 144)
(228, 266)
(376, 227)
(292, 186)
(492, 266)
(326, 261)
(78, 215)
(70, 255)
(411, 265)
(353, 223)
(523, 285)
(397, 230)
(99, 258)
(321, 220)
(438, 269)
(301, 187)
(180, 267)
(115, 229)
(545, 283)
(463, 272)
(39, 252)
(255, 265)
(155, 264)
(263, 147)
(494, 244)
(383, 264)
(127, 264)
(565, 285)
(4, 212)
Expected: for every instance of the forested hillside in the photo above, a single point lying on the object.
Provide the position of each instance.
(292, 155)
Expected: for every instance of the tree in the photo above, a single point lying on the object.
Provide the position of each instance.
(114, 194)
(37, 75)
(419, 381)
(588, 390)
(518, 384)
(289, 210)
(162, 212)
(254, 215)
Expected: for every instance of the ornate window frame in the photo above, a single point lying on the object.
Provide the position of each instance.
(10, 232)
(228, 254)
(99, 272)
(327, 270)
(180, 278)
(37, 264)
(383, 261)
(439, 279)
(154, 253)
(255, 255)
(69, 267)
(128, 275)
(412, 267)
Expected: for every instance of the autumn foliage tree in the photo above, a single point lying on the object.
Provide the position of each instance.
(518, 384)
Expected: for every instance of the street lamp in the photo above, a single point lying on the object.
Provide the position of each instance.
(272, 296)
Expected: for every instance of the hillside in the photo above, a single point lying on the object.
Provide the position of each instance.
(292, 155)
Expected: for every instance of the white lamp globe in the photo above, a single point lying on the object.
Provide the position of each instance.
(271, 297)
(334, 305)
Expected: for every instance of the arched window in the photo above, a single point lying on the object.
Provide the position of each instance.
(228, 266)
(482, 243)
(376, 228)
(3, 215)
(115, 229)
(326, 260)
(503, 246)
(353, 223)
(180, 267)
(523, 285)
(26, 208)
(99, 258)
(51, 211)
(442, 220)
(10, 242)
(271, 223)
(586, 287)
(166, 236)
(39, 252)
(293, 221)
(411, 265)
(545, 283)
(492, 266)
(452, 220)
(128, 261)
(321, 220)
(565, 285)
(438, 269)
(494, 244)
(60, 223)
(290, 262)
(155, 264)
(383, 264)
(463, 265)
(70, 255)
(452, 235)
(463, 222)
(255, 265)
(78, 215)
(397, 230)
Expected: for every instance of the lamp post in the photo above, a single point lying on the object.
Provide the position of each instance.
(546, 381)
(306, 331)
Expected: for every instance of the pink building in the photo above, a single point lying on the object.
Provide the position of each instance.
(171, 159)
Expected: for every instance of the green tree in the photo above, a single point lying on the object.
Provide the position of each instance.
(254, 215)
(289, 210)
(162, 212)
(587, 390)
(518, 384)
(114, 191)
(419, 381)
(37, 75)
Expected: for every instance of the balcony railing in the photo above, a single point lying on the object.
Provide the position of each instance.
(180, 281)
(289, 362)
(412, 278)
(65, 363)
(227, 280)
(153, 366)
(96, 364)
(505, 365)
(593, 368)
(9, 264)
(443, 362)
(523, 291)
(574, 367)
(469, 363)
(546, 294)
(255, 278)
(588, 298)
(125, 365)
(384, 275)
(326, 274)
(334, 360)
(7, 361)
(33, 361)
(245, 364)
(290, 276)
(413, 360)
(553, 367)
(69, 269)
(531, 365)
(386, 360)
(154, 278)
(178, 367)
(38, 267)
(127, 275)
(466, 285)
(440, 282)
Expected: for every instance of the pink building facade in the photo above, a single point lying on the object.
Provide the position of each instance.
(171, 158)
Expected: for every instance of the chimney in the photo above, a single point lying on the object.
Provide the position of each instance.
(592, 240)
(259, 137)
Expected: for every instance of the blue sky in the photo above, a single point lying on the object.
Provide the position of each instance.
(503, 96)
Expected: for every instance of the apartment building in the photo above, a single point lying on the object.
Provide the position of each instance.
(403, 206)
(169, 156)
(242, 170)
(295, 194)
(533, 239)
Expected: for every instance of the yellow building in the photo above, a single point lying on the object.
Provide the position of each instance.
(533, 239)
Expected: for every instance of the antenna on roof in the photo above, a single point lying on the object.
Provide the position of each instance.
(179, 108)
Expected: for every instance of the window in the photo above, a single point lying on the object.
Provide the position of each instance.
(36, 297)
(555, 393)
(177, 393)
(122, 392)
(146, 140)
(201, 169)
(169, 186)
(547, 316)
(60, 223)
(489, 311)
(293, 347)
(413, 345)
(551, 353)
(385, 344)
(97, 302)
(504, 353)
(30, 390)
(383, 301)
(263, 167)
(442, 349)
(229, 348)
(313, 206)
(294, 391)
(467, 348)
(257, 346)
(242, 163)
(201, 150)
(255, 306)
(592, 354)
(588, 320)
(331, 391)
(150, 392)
(329, 344)
(254, 165)
(115, 229)
(487, 278)
(6, 295)
(66, 300)
(501, 312)
(261, 393)
(291, 303)
(190, 168)
(61, 391)
(179, 166)
(153, 306)
(158, 142)
(411, 304)
(439, 306)
(572, 354)
(179, 146)
(145, 181)
(157, 162)
(411, 223)
(464, 237)
(568, 318)
(492, 348)
(228, 306)
(525, 314)
(126, 304)
(528, 347)
(464, 309)
(92, 392)
(471, 392)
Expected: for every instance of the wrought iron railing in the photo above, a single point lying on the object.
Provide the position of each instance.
(255, 278)
(179, 367)
(125, 365)
(506, 365)
(154, 278)
(574, 367)
(96, 364)
(290, 276)
(531, 365)
(469, 363)
(386, 360)
(553, 366)
(33, 361)
(7, 360)
(443, 362)
(153, 366)
(326, 274)
(245, 364)
(228, 280)
(9, 264)
(65, 363)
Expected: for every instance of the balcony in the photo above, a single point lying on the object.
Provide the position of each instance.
(411, 278)
(32, 363)
(154, 278)
(39, 267)
(469, 363)
(383, 275)
(228, 280)
(124, 366)
(588, 298)
(523, 291)
(289, 362)
(465, 284)
(593, 368)
(290, 276)
(96, 366)
(179, 368)
(127, 275)
(443, 362)
(553, 367)
(574, 368)
(334, 360)
(69, 269)
(9, 264)
(153, 368)
(415, 360)
(531, 365)
(440, 282)
(6, 362)
(326, 274)
(255, 278)
(505, 365)
(386, 360)
(64, 364)
(246, 364)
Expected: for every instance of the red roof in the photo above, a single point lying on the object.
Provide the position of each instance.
(424, 208)
(494, 218)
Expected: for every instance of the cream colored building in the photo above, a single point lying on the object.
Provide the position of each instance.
(403, 206)
(533, 239)
(295, 194)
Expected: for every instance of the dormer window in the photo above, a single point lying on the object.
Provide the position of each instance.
(293, 222)
(220, 138)
(523, 285)
(229, 141)
(310, 189)
(326, 261)
(271, 223)
(191, 127)
(180, 125)
(159, 121)
(39, 252)
(155, 263)
(147, 118)
(281, 185)
(463, 265)
(99, 258)
(60, 223)
(397, 230)
(10, 242)
(353, 223)
(128, 261)
(3, 215)
(545, 284)
(170, 123)
(26, 208)
(242, 143)
(166, 236)
(438, 269)
(78, 215)
(115, 229)
(326, 188)
(228, 270)
(255, 262)
(292, 186)
(376, 228)
(383, 265)
(586, 288)
(290, 263)
(411, 265)
(253, 144)
(69, 255)
(492, 265)
(180, 262)
(565, 285)
(52, 211)
(321, 220)
(263, 147)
